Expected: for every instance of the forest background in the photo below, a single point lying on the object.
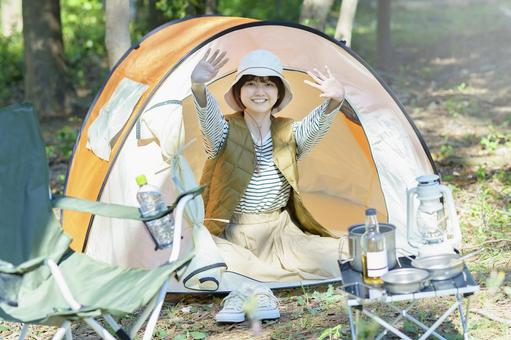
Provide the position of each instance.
(448, 61)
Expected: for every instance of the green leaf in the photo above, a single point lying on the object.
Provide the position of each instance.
(180, 337)
(300, 300)
(198, 335)
(162, 333)
(409, 327)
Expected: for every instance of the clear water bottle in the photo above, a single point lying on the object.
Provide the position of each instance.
(374, 254)
(152, 204)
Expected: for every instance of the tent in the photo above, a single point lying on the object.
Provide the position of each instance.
(143, 121)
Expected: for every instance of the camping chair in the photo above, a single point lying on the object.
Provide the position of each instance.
(41, 280)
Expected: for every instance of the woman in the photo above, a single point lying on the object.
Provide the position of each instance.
(252, 175)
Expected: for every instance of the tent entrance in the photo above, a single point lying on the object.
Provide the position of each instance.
(338, 179)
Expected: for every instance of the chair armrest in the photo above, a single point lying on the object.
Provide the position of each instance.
(114, 210)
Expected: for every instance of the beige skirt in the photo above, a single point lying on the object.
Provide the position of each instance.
(270, 247)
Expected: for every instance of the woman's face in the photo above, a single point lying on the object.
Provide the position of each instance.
(259, 95)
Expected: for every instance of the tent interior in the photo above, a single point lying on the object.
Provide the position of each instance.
(369, 158)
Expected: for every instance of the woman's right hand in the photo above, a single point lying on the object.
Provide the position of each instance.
(207, 68)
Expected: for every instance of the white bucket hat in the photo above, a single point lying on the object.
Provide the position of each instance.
(261, 63)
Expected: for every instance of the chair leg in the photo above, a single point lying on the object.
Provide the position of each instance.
(23, 331)
(119, 331)
(69, 334)
(62, 331)
(156, 304)
(151, 324)
(139, 322)
(178, 227)
(75, 305)
(100, 330)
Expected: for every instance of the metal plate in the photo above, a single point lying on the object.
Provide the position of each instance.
(405, 280)
(441, 267)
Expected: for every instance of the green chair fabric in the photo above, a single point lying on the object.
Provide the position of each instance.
(27, 231)
(30, 233)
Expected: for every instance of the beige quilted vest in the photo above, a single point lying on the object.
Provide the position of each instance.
(228, 174)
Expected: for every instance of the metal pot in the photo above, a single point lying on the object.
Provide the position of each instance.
(405, 280)
(441, 267)
(354, 236)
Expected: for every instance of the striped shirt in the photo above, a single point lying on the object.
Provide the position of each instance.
(267, 190)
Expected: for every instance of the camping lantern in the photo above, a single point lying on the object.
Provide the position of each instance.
(433, 225)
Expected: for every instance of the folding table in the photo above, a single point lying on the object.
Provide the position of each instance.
(361, 295)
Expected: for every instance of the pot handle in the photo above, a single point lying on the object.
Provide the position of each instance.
(341, 247)
(404, 253)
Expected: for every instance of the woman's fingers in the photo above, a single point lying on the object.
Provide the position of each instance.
(213, 56)
(205, 57)
(219, 59)
(222, 63)
(330, 75)
(315, 77)
(315, 85)
(319, 74)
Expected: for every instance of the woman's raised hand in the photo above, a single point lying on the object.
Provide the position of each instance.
(330, 87)
(207, 68)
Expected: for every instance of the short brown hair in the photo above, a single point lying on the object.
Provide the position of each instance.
(236, 88)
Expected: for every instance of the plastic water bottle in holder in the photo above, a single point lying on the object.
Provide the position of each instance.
(152, 204)
(374, 254)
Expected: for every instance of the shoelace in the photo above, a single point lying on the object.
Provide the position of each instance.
(266, 299)
(234, 301)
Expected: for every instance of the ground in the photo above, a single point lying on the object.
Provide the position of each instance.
(452, 72)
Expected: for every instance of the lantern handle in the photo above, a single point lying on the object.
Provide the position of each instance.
(411, 220)
(453, 222)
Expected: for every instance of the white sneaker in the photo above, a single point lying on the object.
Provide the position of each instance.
(267, 305)
(233, 308)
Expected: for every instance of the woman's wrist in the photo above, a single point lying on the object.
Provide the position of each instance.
(337, 100)
(198, 85)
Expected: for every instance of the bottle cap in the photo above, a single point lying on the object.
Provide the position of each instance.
(141, 180)
(370, 211)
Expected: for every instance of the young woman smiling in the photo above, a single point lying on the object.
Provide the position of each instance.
(252, 176)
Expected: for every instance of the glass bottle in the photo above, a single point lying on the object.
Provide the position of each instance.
(374, 254)
(152, 204)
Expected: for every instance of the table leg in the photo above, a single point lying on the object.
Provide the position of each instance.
(463, 318)
(386, 325)
(352, 324)
(403, 313)
(439, 321)
(423, 326)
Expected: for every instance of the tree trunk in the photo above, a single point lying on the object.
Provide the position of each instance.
(147, 16)
(315, 12)
(384, 44)
(10, 18)
(196, 8)
(117, 35)
(210, 7)
(45, 70)
(156, 17)
(345, 22)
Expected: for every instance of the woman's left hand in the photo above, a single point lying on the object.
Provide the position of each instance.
(330, 87)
